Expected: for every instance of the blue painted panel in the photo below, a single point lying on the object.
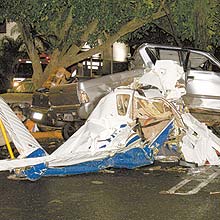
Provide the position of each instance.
(135, 157)
(130, 159)
(35, 172)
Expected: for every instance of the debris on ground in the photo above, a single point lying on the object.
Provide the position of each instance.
(97, 182)
(107, 171)
(187, 164)
(129, 128)
(167, 159)
(154, 168)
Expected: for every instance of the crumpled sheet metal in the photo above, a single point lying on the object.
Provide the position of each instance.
(109, 138)
(126, 129)
(199, 145)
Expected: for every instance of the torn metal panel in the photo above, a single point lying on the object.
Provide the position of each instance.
(127, 129)
(109, 138)
(199, 145)
(131, 158)
(103, 127)
(167, 76)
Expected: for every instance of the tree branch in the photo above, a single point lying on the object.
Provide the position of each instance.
(67, 24)
(74, 49)
(171, 26)
(89, 30)
(127, 28)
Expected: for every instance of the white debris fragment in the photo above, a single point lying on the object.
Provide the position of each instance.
(165, 76)
(199, 145)
(123, 120)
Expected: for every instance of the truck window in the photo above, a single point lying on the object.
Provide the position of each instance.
(201, 62)
(152, 54)
(23, 70)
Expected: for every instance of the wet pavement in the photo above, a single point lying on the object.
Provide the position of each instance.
(112, 195)
(115, 194)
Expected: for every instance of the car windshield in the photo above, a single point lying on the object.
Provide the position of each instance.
(24, 70)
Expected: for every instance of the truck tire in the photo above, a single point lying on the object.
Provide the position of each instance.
(70, 128)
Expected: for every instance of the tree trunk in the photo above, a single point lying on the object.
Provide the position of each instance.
(51, 67)
(32, 52)
(37, 69)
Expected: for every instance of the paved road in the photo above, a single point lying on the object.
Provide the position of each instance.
(115, 195)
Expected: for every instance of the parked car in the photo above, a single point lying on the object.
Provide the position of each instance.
(23, 69)
(67, 106)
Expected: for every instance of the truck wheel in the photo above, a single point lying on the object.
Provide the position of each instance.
(69, 129)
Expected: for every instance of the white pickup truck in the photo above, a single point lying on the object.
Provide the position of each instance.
(202, 77)
(201, 68)
(68, 105)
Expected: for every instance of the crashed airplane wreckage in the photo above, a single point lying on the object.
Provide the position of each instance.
(127, 129)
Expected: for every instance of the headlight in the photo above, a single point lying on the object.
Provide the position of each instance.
(37, 116)
(84, 98)
(15, 84)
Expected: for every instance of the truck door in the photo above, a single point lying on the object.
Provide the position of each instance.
(203, 80)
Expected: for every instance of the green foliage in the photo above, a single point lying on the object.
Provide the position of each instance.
(48, 18)
(10, 51)
(197, 21)
(65, 26)
(188, 23)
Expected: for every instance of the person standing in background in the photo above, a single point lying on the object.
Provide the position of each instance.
(29, 124)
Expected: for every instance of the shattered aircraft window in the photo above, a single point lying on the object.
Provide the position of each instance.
(122, 103)
(156, 110)
(146, 109)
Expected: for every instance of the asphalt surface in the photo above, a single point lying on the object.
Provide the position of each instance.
(115, 194)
